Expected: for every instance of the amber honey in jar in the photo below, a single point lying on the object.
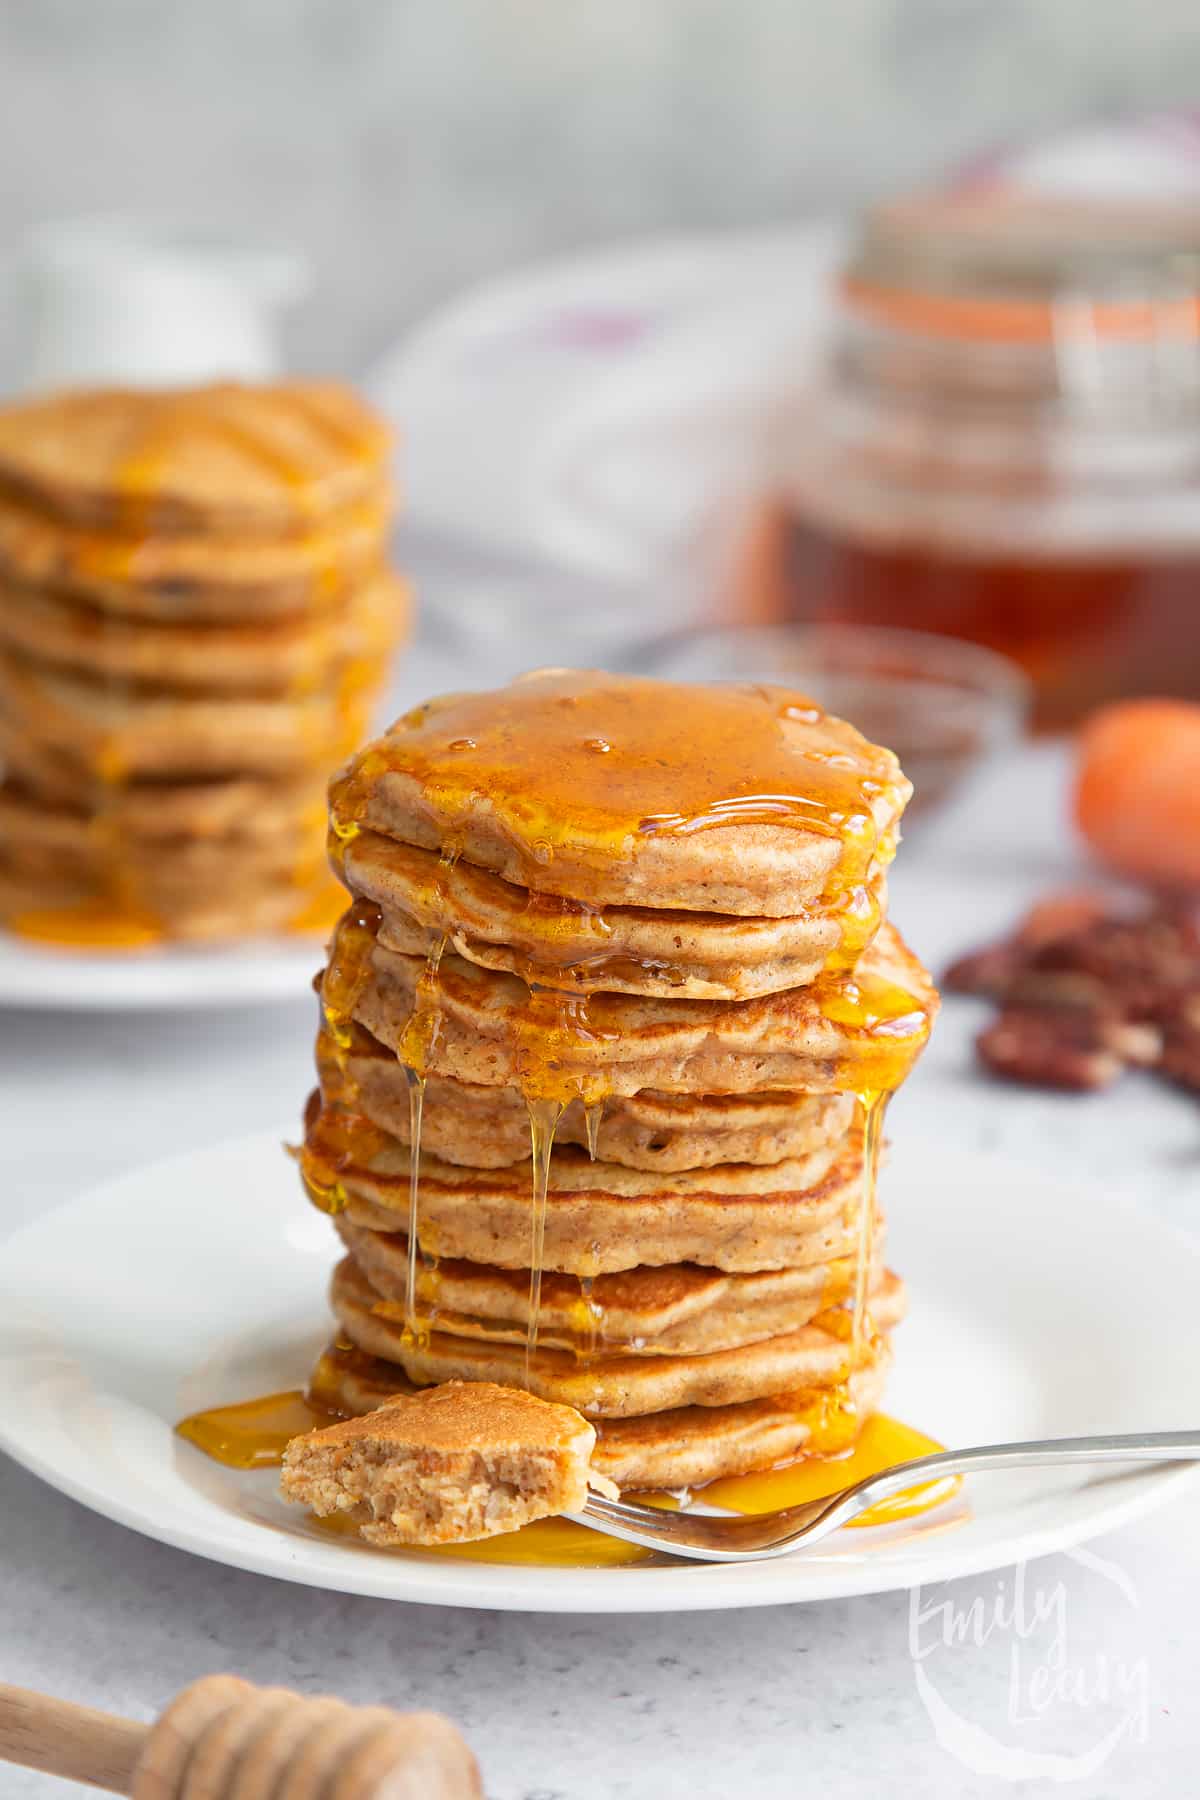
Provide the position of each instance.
(1005, 444)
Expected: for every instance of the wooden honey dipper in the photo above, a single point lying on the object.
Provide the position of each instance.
(225, 1739)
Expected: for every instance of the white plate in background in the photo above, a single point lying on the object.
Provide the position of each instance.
(169, 976)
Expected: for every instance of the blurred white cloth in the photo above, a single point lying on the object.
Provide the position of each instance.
(588, 414)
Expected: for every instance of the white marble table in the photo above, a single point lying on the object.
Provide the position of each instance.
(820, 1699)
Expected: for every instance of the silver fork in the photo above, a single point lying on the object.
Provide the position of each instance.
(753, 1537)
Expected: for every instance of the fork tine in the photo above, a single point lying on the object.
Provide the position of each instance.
(658, 1520)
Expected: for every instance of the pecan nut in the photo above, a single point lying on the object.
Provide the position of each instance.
(1045, 1047)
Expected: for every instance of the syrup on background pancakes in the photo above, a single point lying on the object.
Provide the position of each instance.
(517, 834)
(193, 595)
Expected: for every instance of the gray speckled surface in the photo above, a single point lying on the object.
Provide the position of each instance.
(770, 1704)
(817, 1698)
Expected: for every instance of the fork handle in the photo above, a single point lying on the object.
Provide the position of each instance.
(1138, 1446)
(1033, 1453)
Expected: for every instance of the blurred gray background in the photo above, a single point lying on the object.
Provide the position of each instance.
(412, 145)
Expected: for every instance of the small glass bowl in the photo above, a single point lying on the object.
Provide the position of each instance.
(943, 705)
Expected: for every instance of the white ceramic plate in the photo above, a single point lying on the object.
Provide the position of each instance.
(62, 980)
(201, 1280)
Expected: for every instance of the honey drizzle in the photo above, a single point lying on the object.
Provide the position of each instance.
(832, 1415)
(416, 1112)
(544, 1115)
(591, 1316)
(880, 1025)
(863, 1341)
(558, 752)
(415, 1051)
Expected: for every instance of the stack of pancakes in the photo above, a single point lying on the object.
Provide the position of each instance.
(645, 924)
(195, 615)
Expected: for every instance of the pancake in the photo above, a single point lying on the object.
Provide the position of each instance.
(154, 733)
(195, 613)
(488, 1127)
(447, 1465)
(688, 1446)
(197, 579)
(685, 1447)
(205, 865)
(623, 950)
(204, 861)
(293, 655)
(218, 813)
(67, 910)
(681, 1309)
(612, 1386)
(602, 1217)
(645, 919)
(710, 799)
(200, 807)
(838, 1036)
(160, 867)
(222, 458)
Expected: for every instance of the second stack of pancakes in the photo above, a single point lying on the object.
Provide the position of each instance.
(607, 1030)
(195, 615)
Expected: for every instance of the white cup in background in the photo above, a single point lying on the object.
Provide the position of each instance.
(110, 300)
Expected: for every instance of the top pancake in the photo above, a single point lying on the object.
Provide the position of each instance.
(220, 458)
(623, 791)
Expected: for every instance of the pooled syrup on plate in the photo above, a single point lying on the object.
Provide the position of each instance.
(254, 1434)
(882, 1443)
(87, 925)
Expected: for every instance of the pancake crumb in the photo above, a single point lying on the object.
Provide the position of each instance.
(449, 1464)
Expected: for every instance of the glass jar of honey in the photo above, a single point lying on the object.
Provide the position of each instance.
(1005, 445)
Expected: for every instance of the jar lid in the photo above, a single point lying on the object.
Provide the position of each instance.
(1005, 265)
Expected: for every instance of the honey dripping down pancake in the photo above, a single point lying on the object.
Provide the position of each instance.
(588, 892)
(565, 778)
(194, 601)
